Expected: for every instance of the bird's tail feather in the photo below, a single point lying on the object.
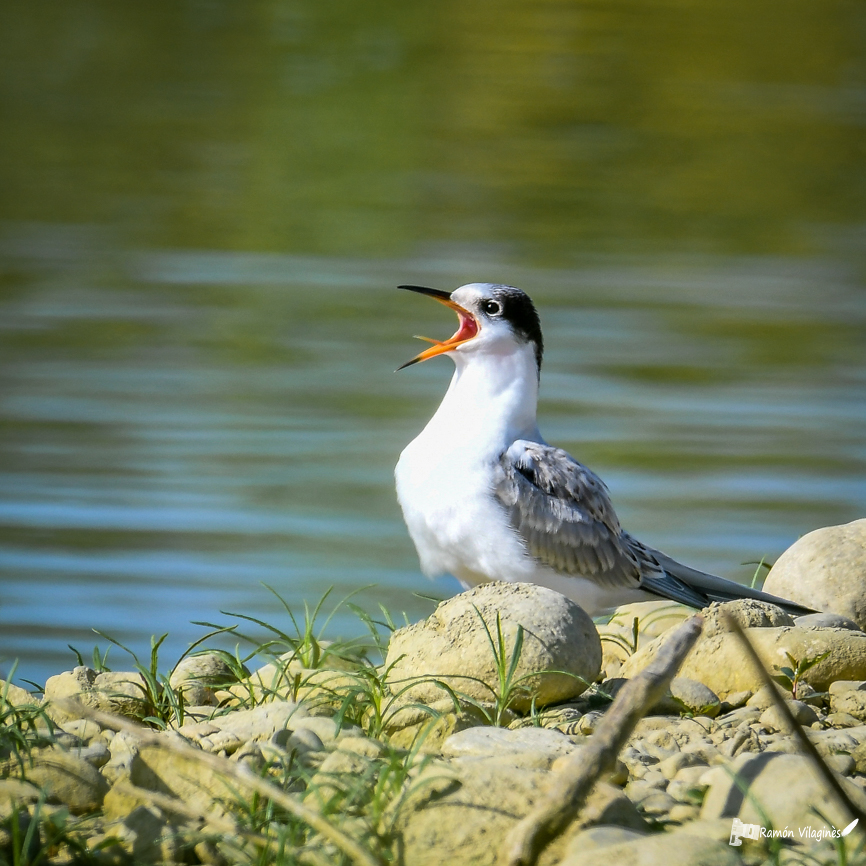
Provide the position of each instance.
(714, 588)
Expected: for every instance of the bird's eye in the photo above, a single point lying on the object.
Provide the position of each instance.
(492, 307)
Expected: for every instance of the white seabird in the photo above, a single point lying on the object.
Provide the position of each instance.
(486, 498)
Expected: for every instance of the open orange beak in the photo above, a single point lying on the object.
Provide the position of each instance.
(467, 330)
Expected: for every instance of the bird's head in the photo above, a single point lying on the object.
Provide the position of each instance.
(493, 319)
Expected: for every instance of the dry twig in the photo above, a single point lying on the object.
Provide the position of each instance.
(574, 782)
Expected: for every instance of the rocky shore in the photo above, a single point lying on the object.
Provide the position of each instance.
(432, 755)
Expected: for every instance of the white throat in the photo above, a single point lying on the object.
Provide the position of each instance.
(444, 476)
(491, 401)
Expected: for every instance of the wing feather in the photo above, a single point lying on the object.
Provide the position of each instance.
(564, 515)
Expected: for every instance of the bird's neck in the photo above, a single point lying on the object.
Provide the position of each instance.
(491, 401)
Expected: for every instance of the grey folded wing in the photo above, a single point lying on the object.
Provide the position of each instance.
(563, 513)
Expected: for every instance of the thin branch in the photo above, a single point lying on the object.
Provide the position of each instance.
(237, 772)
(573, 783)
(824, 771)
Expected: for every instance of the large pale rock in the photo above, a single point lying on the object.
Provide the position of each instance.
(67, 779)
(717, 660)
(772, 718)
(124, 747)
(141, 833)
(618, 639)
(14, 793)
(322, 690)
(686, 695)
(825, 570)
(452, 645)
(783, 789)
(599, 837)
(16, 696)
(825, 620)
(177, 776)
(849, 697)
(459, 814)
(748, 612)
(540, 745)
(229, 732)
(198, 678)
(679, 848)
(412, 727)
(324, 684)
(121, 692)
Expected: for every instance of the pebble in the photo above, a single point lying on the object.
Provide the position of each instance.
(685, 783)
(84, 729)
(773, 720)
(844, 765)
(694, 697)
(672, 765)
(96, 754)
(600, 837)
(229, 732)
(763, 698)
(842, 720)
(851, 701)
(682, 813)
(69, 780)
(640, 789)
(549, 744)
(199, 676)
(742, 716)
(735, 700)
(657, 804)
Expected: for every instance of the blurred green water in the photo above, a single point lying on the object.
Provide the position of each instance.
(204, 207)
(338, 128)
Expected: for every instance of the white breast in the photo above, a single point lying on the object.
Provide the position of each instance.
(457, 526)
(444, 477)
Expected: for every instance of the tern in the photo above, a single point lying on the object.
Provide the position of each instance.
(486, 498)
